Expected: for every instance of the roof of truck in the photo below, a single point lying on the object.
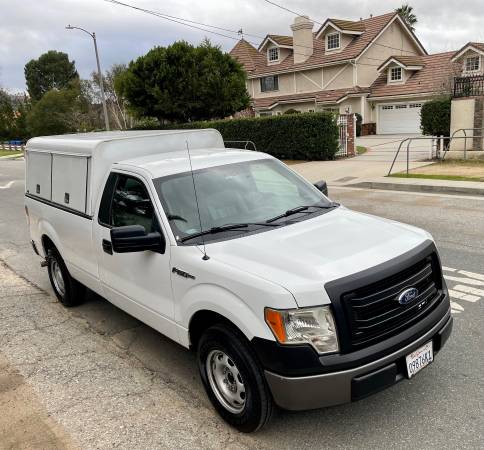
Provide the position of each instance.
(85, 143)
(178, 162)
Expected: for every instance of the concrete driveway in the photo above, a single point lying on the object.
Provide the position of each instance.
(374, 163)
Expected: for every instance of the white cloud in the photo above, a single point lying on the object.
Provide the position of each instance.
(31, 27)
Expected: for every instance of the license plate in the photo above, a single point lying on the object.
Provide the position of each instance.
(419, 359)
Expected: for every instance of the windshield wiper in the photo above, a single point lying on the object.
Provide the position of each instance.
(299, 209)
(229, 226)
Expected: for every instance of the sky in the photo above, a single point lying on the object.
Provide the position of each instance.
(29, 28)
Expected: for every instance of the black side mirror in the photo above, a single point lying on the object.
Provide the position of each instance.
(133, 238)
(322, 186)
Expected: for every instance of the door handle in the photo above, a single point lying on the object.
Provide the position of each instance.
(107, 247)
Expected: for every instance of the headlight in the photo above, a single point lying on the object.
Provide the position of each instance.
(313, 326)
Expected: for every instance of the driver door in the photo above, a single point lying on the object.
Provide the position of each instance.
(138, 282)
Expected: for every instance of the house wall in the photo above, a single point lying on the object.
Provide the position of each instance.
(303, 107)
(309, 80)
(286, 86)
(345, 39)
(394, 36)
(462, 60)
(462, 116)
(338, 77)
(354, 103)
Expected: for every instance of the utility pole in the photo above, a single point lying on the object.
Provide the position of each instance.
(101, 79)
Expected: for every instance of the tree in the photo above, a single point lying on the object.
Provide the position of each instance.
(406, 13)
(184, 83)
(115, 101)
(61, 111)
(52, 70)
(7, 116)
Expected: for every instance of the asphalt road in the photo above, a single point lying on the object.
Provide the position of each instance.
(109, 381)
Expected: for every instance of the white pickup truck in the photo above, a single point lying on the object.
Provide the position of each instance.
(287, 297)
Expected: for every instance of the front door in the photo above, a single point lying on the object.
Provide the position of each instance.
(138, 282)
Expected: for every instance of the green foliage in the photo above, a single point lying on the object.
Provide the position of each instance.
(7, 116)
(435, 117)
(359, 120)
(406, 13)
(52, 70)
(182, 83)
(55, 113)
(311, 136)
(291, 111)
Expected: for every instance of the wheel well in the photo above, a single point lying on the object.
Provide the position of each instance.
(47, 243)
(202, 320)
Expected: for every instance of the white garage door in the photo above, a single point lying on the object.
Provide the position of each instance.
(399, 118)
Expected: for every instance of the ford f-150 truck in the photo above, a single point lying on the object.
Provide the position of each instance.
(287, 297)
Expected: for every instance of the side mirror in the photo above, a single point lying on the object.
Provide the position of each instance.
(322, 186)
(133, 238)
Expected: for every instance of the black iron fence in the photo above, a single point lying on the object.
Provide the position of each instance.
(469, 86)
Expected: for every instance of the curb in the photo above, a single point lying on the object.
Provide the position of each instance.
(426, 188)
(3, 158)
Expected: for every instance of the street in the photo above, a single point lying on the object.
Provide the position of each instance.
(98, 378)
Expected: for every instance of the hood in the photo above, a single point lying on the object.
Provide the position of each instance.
(304, 256)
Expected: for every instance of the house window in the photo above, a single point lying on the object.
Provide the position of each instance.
(332, 41)
(415, 105)
(269, 83)
(472, 63)
(273, 54)
(396, 74)
(387, 107)
(401, 107)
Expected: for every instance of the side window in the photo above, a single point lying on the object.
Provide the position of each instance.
(131, 205)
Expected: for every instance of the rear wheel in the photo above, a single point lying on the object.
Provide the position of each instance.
(233, 378)
(68, 291)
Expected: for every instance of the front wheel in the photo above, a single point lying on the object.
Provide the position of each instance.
(233, 378)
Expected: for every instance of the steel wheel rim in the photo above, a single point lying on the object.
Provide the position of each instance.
(226, 381)
(57, 277)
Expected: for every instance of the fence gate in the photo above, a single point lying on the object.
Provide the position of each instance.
(343, 135)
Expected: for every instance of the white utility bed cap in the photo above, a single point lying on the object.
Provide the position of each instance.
(69, 169)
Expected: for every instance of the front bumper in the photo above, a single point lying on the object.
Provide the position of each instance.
(334, 388)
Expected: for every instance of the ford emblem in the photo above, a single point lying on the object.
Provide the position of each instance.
(407, 296)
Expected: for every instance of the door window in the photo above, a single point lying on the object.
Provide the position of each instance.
(131, 205)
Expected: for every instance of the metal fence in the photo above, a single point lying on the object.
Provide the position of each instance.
(343, 135)
(468, 86)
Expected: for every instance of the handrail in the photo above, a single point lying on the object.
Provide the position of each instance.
(465, 142)
(242, 142)
(420, 138)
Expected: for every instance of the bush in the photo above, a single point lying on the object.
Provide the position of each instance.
(310, 136)
(292, 111)
(359, 120)
(435, 117)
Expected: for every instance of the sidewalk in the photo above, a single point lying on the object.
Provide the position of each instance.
(472, 188)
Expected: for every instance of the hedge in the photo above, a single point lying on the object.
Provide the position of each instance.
(435, 117)
(309, 136)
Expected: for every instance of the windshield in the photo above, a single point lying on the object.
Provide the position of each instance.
(251, 192)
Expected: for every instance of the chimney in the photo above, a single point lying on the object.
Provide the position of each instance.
(302, 35)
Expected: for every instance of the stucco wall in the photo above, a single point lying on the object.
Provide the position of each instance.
(338, 77)
(394, 36)
(462, 116)
(353, 103)
(309, 80)
(286, 86)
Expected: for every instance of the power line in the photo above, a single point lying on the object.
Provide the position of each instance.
(290, 10)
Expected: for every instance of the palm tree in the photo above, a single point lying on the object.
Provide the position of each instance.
(406, 13)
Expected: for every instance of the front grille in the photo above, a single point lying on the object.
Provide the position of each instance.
(373, 311)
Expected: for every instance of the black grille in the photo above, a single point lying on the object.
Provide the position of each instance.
(374, 312)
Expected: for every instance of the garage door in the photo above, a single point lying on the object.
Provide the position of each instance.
(399, 118)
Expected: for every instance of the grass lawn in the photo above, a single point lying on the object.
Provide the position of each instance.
(10, 152)
(360, 149)
(454, 170)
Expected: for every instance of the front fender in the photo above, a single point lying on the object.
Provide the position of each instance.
(218, 299)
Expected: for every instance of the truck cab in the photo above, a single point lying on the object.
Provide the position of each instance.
(287, 297)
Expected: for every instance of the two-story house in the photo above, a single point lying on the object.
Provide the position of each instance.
(375, 67)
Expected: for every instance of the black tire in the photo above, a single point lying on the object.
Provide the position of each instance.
(73, 292)
(258, 407)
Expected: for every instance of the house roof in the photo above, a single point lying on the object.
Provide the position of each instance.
(435, 76)
(478, 46)
(246, 54)
(281, 40)
(403, 60)
(349, 26)
(330, 96)
(373, 27)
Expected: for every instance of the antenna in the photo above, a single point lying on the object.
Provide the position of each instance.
(205, 256)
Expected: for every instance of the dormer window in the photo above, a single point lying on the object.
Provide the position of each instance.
(472, 64)
(396, 74)
(273, 54)
(332, 41)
